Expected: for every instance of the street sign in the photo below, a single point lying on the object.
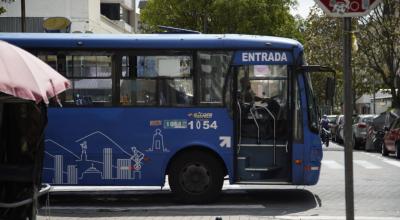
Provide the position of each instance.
(347, 8)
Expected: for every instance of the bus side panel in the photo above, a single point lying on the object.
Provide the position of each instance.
(128, 146)
(297, 169)
(314, 152)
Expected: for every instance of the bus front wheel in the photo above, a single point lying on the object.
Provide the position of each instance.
(196, 177)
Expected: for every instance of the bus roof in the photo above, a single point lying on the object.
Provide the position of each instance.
(149, 41)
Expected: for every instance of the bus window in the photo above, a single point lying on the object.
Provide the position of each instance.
(91, 80)
(266, 84)
(176, 92)
(90, 76)
(158, 80)
(49, 59)
(311, 105)
(298, 115)
(134, 91)
(266, 81)
(164, 66)
(126, 67)
(212, 67)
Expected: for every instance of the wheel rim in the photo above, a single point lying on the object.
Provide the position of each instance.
(195, 178)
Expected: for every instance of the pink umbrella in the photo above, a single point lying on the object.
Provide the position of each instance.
(26, 76)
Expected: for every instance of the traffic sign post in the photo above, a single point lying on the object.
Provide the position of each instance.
(348, 112)
(348, 9)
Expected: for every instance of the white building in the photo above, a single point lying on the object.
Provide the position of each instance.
(86, 16)
(365, 104)
(383, 101)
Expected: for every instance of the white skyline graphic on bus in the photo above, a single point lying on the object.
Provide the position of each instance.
(84, 169)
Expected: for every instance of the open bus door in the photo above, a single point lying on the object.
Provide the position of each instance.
(261, 113)
(262, 121)
(330, 83)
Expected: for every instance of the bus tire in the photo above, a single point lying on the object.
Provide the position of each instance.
(196, 177)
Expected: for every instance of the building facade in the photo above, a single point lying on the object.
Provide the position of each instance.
(366, 103)
(86, 16)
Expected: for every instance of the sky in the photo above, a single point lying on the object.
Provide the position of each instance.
(303, 8)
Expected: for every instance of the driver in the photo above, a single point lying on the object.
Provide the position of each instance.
(247, 94)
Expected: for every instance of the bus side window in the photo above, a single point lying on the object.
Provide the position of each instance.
(134, 91)
(212, 66)
(57, 63)
(90, 76)
(157, 80)
(298, 114)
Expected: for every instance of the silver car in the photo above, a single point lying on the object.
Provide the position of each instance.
(360, 130)
(339, 129)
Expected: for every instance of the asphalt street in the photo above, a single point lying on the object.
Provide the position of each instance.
(376, 187)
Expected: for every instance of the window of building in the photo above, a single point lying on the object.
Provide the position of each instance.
(111, 10)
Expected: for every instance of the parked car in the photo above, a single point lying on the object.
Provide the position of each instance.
(332, 122)
(340, 128)
(391, 140)
(376, 132)
(337, 132)
(360, 130)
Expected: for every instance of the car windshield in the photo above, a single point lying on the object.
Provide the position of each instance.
(332, 119)
(367, 119)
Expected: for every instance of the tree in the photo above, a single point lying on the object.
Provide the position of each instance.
(323, 45)
(2, 9)
(380, 43)
(262, 17)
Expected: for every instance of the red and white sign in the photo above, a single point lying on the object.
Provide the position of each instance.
(347, 8)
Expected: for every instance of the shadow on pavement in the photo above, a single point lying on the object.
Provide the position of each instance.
(161, 203)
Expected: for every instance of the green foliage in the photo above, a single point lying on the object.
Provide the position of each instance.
(2, 9)
(380, 43)
(323, 38)
(260, 17)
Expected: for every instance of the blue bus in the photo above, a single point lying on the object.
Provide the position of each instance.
(196, 108)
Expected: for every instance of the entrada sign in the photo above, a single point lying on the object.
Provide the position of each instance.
(347, 8)
(262, 57)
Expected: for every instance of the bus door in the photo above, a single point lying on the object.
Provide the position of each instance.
(261, 110)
